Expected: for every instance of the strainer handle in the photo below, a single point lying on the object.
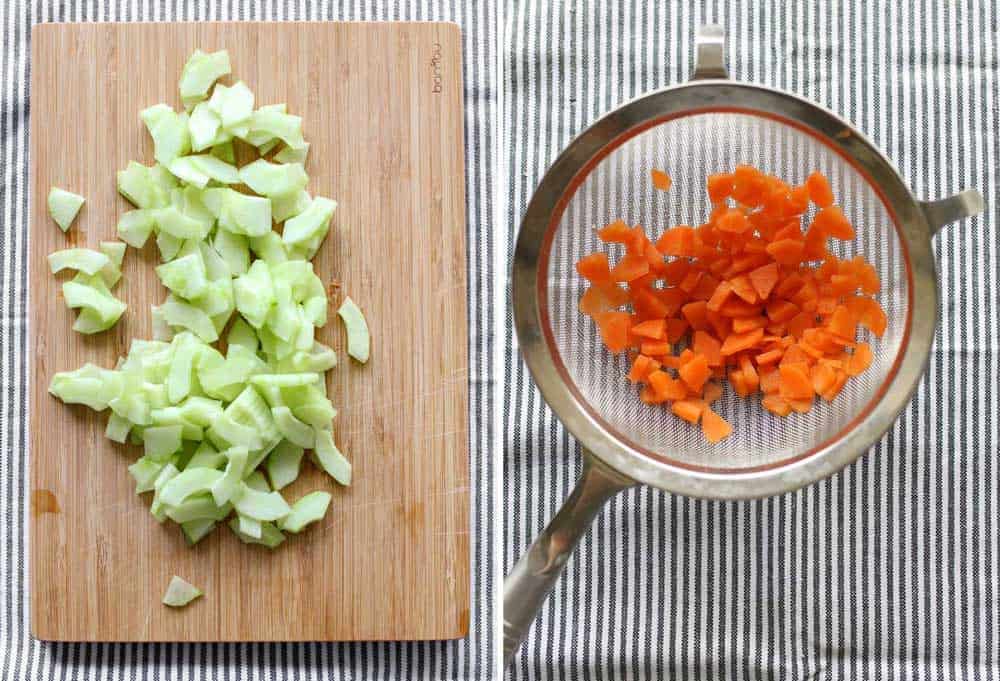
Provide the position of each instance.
(537, 571)
(709, 53)
(953, 208)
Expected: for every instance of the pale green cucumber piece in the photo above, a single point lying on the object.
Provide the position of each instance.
(224, 151)
(308, 509)
(91, 293)
(145, 471)
(262, 506)
(233, 105)
(206, 456)
(330, 459)
(115, 251)
(246, 215)
(274, 179)
(257, 481)
(138, 184)
(215, 266)
(169, 131)
(161, 330)
(358, 338)
(292, 429)
(180, 593)
(188, 482)
(284, 207)
(250, 409)
(203, 126)
(312, 223)
(267, 146)
(250, 527)
(254, 294)
(234, 250)
(271, 536)
(184, 276)
(226, 432)
(186, 348)
(214, 169)
(200, 72)
(283, 464)
(64, 206)
(285, 380)
(200, 506)
(83, 260)
(269, 247)
(185, 316)
(117, 429)
(290, 155)
(172, 221)
(135, 226)
(201, 411)
(168, 245)
(272, 122)
(196, 530)
(184, 169)
(164, 180)
(173, 416)
(229, 484)
(160, 442)
(157, 507)
(241, 333)
(319, 358)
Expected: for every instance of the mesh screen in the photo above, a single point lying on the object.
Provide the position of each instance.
(689, 149)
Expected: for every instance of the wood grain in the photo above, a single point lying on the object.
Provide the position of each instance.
(382, 108)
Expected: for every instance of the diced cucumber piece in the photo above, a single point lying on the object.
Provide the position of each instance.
(180, 593)
(92, 294)
(262, 506)
(188, 482)
(274, 179)
(215, 169)
(283, 464)
(254, 294)
(234, 250)
(290, 155)
(330, 459)
(117, 429)
(246, 215)
(200, 72)
(160, 442)
(358, 338)
(186, 170)
(284, 207)
(275, 123)
(270, 537)
(169, 131)
(184, 276)
(135, 226)
(80, 259)
(224, 151)
(242, 334)
(203, 126)
(257, 481)
(145, 471)
(198, 506)
(140, 185)
(206, 457)
(157, 507)
(312, 223)
(308, 509)
(64, 206)
(229, 484)
(185, 316)
(292, 429)
(196, 530)
(233, 105)
(250, 527)
(269, 247)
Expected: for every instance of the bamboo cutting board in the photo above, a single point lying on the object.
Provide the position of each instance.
(382, 109)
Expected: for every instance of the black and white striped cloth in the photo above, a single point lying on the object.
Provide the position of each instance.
(23, 658)
(888, 570)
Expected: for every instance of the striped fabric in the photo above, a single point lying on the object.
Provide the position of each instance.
(889, 569)
(23, 658)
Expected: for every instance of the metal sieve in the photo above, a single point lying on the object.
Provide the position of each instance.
(706, 126)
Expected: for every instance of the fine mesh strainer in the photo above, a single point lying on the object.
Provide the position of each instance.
(706, 126)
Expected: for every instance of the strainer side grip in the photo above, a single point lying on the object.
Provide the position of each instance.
(952, 208)
(538, 569)
(709, 53)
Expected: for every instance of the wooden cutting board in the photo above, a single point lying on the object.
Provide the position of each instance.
(382, 108)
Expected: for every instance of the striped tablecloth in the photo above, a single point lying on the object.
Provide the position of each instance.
(887, 570)
(23, 658)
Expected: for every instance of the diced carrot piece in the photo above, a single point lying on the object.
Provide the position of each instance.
(806, 296)
(836, 388)
(637, 242)
(744, 324)
(795, 383)
(677, 241)
(819, 190)
(655, 348)
(860, 360)
(732, 221)
(720, 186)
(649, 305)
(749, 185)
(721, 326)
(739, 383)
(801, 406)
(617, 232)
(750, 259)
(769, 357)
(713, 391)
(630, 267)
(695, 372)
(734, 307)
(602, 299)
(661, 180)
(719, 296)
(714, 426)
(842, 323)
(750, 376)
(665, 387)
(789, 230)
(653, 328)
(826, 305)
(720, 265)
(696, 315)
(843, 284)
(798, 200)
(867, 277)
(648, 396)
(823, 378)
(655, 259)
(614, 329)
(642, 366)
(787, 251)
(776, 404)
(742, 286)
(706, 345)
(690, 281)
(789, 285)
(671, 361)
(834, 223)
(675, 271)
(798, 324)
(871, 315)
(764, 279)
(676, 328)
(770, 379)
(739, 342)
(689, 410)
(705, 288)
(594, 268)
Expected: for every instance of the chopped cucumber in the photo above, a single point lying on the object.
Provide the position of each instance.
(80, 259)
(180, 593)
(64, 206)
(283, 464)
(358, 338)
(308, 509)
(200, 72)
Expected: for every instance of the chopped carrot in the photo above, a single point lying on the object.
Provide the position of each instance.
(706, 345)
(678, 241)
(719, 296)
(652, 328)
(744, 324)
(819, 190)
(713, 391)
(614, 329)
(676, 328)
(689, 410)
(776, 404)
(750, 375)
(770, 379)
(602, 299)
(690, 282)
(616, 232)
(674, 271)
(642, 366)
(705, 288)
(798, 200)
(654, 348)
(795, 383)
(764, 279)
(665, 387)
(769, 357)
(732, 221)
(801, 405)
(696, 315)
(748, 185)
(695, 372)
(720, 186)
(714, 426)
(834, 223)
(661, 180)
(594, 267)
(787, 251)
(860, 360)
(842, 323)
(630, 267)
(734, 307)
